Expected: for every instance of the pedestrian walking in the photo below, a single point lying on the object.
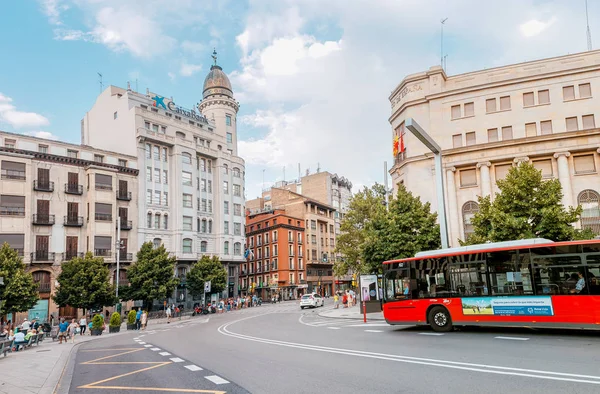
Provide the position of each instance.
(138, 319)
(62, 331)
(345, 300)
(73, 330)
(82, 325)
(144, 319)
(336, 301)
(168, 314)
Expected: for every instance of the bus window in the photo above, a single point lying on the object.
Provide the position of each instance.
(507, 275)
(431, 278)
(469, 279)
(525, 286)
(559, 275)
(397, 285)
(593, 274)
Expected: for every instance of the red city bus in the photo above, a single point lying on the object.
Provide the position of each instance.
(525, 283)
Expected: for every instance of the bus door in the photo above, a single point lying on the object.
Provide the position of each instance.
(469, 278)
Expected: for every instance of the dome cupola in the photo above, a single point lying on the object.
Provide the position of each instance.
(216, 82)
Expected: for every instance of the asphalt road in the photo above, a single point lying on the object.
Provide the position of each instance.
(281, 349)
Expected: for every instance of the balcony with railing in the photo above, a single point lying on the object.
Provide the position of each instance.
(43, 287)
(125, 256)
(103, 217)
(42, 256)
(102, 253)
(43, 186)
(16, 175)
(43, 219)
(103, 186)
(126, 225)
(67, 256)
(73, 221)
(9, 210)
(123, 195)
(73, 188)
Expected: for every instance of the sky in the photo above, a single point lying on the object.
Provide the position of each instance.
(313, 77)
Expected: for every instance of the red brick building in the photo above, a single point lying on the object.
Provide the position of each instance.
(275, 255)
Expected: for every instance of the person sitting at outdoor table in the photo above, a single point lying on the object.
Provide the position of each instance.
(19, 339)
(4, 332)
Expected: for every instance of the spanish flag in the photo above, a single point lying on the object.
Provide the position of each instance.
(396, 145)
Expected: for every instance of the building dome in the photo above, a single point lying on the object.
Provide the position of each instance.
(216, 82)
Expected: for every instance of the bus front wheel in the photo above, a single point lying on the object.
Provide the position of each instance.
(439, 319)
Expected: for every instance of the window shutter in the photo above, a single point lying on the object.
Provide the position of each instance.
(528, 99)
(457, 140)
(546, 127)
(468, 177)
(585, 90)
(584, 164)
(504, 103)
(530, 130)
(572, 124)
(469, 109)
(490, 105)
(544, 97)
(507, 133)
(568, 93)
(588, 122)
(492, 135)
(455, 111)
(545, 166)
(502, 171)
(470, 138)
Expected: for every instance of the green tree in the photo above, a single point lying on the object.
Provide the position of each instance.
(151, 277)
(527, 206)
(85, 283)
(364, 206)
(406, 228)
(19, 292)
(207, 269)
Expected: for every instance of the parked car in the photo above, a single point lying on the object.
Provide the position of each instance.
(311, 300)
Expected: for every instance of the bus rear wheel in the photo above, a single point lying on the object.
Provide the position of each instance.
(439, 319)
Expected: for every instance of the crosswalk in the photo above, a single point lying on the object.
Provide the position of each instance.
(338, 324)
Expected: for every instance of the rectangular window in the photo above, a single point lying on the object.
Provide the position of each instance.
(209, 186)
(163, 129)
(469, 109)
(225, 187)
(103, 212)
(187, 245)
(165, 177)
(544, 97)
(156, 150)
(203, 205)
(237, 230)
(585, 90)
(504, 103)
(164, 152)
(210, 206)
(572, 124)
(157, 197)
(202, 165)
(209, 166)
(186, 178)
(226, 227)
(468, 178)
(147, 125)
(237, 190)
(530, 129)
(187, 223)
(237, 210)
(155, 127)
(149, 174)
(229, 138)
(228, 120)
(8, 143)
(103, 182)
(123, 163)
(568, 93)
(148, 151)
(157, 221)
(528, 99)
(545, 166)
(588, 122)
(490, 105)
(157, 175)
(166, 222)
(492, 135)
(584, 164)
(203, 185)
(98, 158)
(187, 200)
(507, 133)
(12, 205)
(470, 138)
(226, 207)
(455, 111)
(457, 140)
(73, 154)
(148, 196)
(166, 198)
(546, 127)
(502, 171)
(13, 170)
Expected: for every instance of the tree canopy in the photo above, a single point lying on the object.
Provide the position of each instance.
(371, 234)
(151, 277)
(85, 283)
(207, 269)
(19, 292)
(527, 206)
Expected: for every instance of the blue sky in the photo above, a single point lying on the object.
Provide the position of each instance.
(313, 77)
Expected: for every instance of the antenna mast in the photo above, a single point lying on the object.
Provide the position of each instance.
(443, 22)
(100, 81)
(588, 32)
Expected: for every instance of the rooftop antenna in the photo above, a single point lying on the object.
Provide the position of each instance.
(443, 22)
(263, 186)
(299, 172)
(588, 32)
(100, 81)
(318, 167)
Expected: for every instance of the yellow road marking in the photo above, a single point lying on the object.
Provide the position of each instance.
(89, 385)
(106, 350)
(111, 356)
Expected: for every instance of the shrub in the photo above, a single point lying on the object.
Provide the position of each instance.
(97, 322)
(131, 317)
(115, 320)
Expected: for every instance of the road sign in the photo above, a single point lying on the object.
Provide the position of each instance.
(207, 287)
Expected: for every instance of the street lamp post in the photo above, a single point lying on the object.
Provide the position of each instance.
(118, 255)
(422, 136)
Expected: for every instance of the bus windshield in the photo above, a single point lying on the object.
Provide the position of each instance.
(397, 285)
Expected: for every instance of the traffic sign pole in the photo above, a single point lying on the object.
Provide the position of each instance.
(364, 311)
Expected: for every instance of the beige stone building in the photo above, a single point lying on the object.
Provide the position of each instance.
(486, 121)
(60, 200)
(319, 223)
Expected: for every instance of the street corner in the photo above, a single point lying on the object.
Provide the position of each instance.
(135, 367)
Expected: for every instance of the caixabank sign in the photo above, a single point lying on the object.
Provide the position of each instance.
(159, 101)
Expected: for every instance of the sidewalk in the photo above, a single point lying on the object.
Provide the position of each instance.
(353, 312)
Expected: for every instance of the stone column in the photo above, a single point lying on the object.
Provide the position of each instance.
(564, 176)
(484, 173)
(453, 227)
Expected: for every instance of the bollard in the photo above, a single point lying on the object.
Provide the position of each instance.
(364, 311)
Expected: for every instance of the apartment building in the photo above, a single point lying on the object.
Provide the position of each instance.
(60, 200)
(275, 255)
(319, 225)
(542, 112)
(191, 178)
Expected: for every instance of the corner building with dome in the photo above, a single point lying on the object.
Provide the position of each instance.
(191, 179)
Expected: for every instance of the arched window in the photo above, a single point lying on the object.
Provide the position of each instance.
(203, 246)
(149, 222)
(187, 245)
(179, 134)
(237, 249)
(203, 225)
(468, 211)
(590, 217)
(226, 247)
(157, 221)
(157, 242)
(186, 158)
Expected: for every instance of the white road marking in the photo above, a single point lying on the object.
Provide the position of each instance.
(216, 379)
(431, 333)
(513, 338)
(148, 345)
(135, 339)
(370, 325)
(482, 368)
(334, 328)
(155, 349)
(177, 360)
(164, 353)
(373, 330)
(193, 367)
(141, 343)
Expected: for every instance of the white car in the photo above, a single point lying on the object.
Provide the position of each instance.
(311, 300)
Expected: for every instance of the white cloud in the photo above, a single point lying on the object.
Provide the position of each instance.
(535, 27)
(42, 134)
(187, 70)
(19, 119)
(171, 76)
(52, 9)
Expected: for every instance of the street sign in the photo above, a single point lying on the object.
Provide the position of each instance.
(207, 287)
